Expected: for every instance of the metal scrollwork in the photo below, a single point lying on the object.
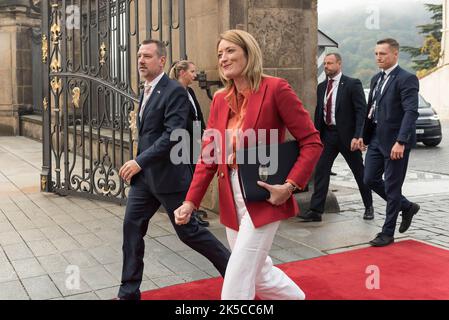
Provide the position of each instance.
(55, 33)
(55, 84)
(90, 101)
(55, 65)
(102, 54)
(76, 92)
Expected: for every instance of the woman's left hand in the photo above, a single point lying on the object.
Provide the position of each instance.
(279, 193)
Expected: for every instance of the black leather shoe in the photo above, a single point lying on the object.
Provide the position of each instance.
(369, 213)
(310, 216)
(381, 240)
(197, 215)
(407, 216)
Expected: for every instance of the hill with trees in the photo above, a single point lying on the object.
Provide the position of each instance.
(357, 31)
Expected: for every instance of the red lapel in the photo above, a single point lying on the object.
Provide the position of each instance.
(254, 106)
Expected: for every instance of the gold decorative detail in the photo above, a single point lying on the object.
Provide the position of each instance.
(76, 92)
(55, 33)
(102, 54)
(44, 48)
(45, 103)
(43, 183)
(55, 65)
(56, 84)
(133, 124)
(106, 191)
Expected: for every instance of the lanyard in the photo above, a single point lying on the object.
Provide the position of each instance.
(327, 96)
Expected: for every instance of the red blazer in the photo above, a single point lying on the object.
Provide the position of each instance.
(274, 106)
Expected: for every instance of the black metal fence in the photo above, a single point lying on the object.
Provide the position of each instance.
(91, 87)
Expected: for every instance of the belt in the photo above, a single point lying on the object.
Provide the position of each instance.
(331, 127)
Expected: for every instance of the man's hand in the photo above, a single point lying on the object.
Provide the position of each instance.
(128, 170)
(355, 144)
(361, 145)
(397, 152)
(279, 193)
(183, 213)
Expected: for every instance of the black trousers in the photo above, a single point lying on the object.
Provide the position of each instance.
(378, 163)
(332, 147)
(141, 206)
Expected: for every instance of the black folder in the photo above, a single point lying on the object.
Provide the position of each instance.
(252, 167)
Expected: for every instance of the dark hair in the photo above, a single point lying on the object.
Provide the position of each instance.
(391, 42)
(161, 48)
(336, 55)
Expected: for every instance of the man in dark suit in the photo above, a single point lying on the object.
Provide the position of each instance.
(195, 128)
(339, 116)
(155, 180)
(390, 132)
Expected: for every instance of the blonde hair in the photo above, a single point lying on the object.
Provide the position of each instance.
(177, 66)
(254, 68)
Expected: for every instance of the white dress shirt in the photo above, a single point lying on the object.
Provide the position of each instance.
(153, 85)
(387, 75)
(193, 104)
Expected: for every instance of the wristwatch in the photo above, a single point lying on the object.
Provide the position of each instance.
(292, 188)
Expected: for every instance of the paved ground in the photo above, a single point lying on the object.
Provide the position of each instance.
(47, 240)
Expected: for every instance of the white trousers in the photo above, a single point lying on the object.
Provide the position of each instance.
(250, 270)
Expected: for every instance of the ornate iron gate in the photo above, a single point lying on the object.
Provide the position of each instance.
(90, 88)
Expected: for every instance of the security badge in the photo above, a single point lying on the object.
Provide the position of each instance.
(371, 111)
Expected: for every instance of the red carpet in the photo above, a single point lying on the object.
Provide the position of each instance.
(408, 270)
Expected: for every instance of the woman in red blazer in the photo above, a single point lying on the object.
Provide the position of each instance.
(251, 101)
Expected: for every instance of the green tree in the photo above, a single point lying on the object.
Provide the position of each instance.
(426, 57)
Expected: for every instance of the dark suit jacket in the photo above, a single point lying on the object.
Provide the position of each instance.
(397, 110)
(190, 122)
(167, 109)
(350, 109)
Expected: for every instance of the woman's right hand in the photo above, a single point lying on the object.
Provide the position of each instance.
(183, 213)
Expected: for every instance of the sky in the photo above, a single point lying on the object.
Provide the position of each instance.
(328, 6)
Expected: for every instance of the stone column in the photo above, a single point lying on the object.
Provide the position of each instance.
(16, 22)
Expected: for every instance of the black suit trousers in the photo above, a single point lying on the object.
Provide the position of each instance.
(141, 206)
(332, 147)
(377, 164)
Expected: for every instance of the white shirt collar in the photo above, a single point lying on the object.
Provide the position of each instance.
(337, 77)
(388, 71)
(155, 81)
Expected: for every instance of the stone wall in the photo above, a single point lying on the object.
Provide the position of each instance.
(15, 67)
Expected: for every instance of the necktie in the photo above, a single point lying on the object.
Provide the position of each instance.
(379, 86)
(377, 94)
(146, 95)
(329, 102)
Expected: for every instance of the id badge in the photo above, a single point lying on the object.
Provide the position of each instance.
(371, 112)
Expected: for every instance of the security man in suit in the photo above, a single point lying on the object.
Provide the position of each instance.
(339, 116)
(155, 179)
(390, 132)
